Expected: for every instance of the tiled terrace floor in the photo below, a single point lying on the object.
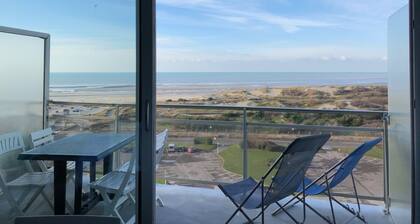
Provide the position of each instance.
(191, 205)
(188, 205)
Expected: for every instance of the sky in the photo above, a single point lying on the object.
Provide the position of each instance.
(213, 35)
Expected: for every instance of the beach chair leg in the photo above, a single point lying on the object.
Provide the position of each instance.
(361, 218)
(239, 209)
(347, 207)
(315, 211)
(304, 202)
(290, 215)
(159, 201)
(355, 193)
(330, 198)
(262, 202)
(286, 205)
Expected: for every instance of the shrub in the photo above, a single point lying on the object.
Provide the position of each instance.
(203, 140)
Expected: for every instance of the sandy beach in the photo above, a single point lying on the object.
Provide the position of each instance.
(205, 163)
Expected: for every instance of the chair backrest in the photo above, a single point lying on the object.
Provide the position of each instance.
(161, 139)
(67, 219)
(291, 166)
(11, 141)
(11, 144)
(351, 161)
(42, 137)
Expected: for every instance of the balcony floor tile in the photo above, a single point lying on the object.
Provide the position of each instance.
(190, 205)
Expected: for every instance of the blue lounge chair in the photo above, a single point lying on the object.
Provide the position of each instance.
(333, 177)
(289, 170)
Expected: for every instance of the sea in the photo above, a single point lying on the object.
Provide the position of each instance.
(170, 81)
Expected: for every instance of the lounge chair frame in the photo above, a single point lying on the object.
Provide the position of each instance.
(263, 206)
(326, 179)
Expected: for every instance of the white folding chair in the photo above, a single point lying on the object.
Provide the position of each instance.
(115, 188)
(43, 137)
(161, 140)
(32, 183)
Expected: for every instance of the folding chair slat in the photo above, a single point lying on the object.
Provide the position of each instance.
(121, 183)
(34, 181)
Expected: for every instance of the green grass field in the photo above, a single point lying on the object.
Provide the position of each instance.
(376, 152)
(259, 160)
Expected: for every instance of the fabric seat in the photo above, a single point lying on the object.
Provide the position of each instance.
(112, 181)
(333, 177)
(289, 172)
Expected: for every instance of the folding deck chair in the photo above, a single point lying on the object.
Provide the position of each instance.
(161, 140)
(31, 183)
(330, 179)
(289, 168)
(43, 137)
(115, 188)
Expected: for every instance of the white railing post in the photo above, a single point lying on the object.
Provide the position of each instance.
(245, 144)
(116, 130)
(386, 120)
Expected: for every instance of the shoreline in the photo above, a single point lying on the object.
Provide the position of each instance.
(193, 94)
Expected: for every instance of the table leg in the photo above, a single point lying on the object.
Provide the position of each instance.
(78, 187)
(92, 175)
(60, 174)
(108, 163)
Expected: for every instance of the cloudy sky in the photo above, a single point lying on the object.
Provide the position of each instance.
(213, 35)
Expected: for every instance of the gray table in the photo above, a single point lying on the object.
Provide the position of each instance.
(89, 147)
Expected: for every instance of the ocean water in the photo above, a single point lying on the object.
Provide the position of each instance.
(83, 80)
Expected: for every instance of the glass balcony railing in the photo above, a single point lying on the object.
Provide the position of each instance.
(208, 145)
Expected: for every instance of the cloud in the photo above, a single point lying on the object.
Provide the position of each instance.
(232, 19)
(257, 53)
(236, 13)
(84, 55)
(363, 14)
(289, 25)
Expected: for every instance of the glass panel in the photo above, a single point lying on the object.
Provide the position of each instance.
(21, 109)
(197, 146)
(298, 68)
(21, 83)
(91, 105)
(400, 150)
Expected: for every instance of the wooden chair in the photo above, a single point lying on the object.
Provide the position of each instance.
(32, 183)
(43, 137)
(67, 219)
(161, 140)
(115, 188)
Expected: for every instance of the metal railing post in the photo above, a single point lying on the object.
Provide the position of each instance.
(386, 163)
(116, 130)
(245, 144)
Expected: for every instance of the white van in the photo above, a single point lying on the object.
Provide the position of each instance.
(171, 147)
